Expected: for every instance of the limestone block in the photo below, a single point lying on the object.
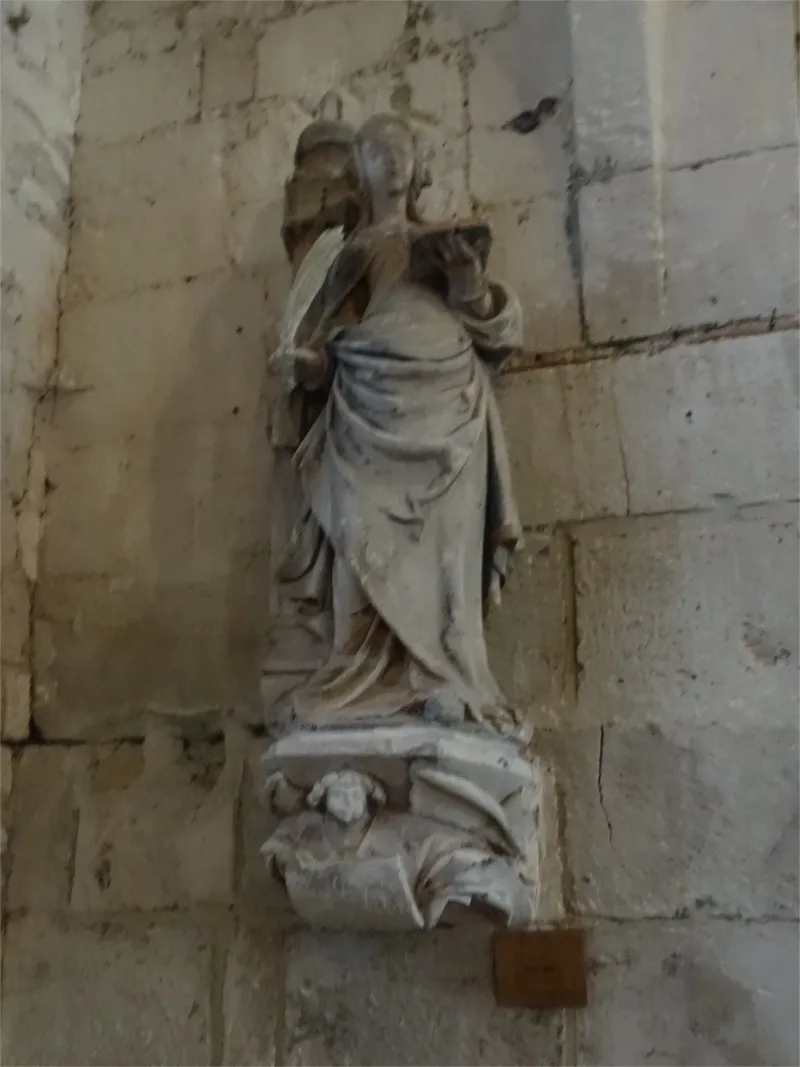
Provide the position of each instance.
(9, 545)
(229, 69)
(707, 424)
(528, 635)
(49, 49)
(522, 67)
(259, 164)
(252, 994)
(663, 250)
(524, 61)
(137, 95)
(195, 353)
(15, 710)
(622, 243)
(711, 992)
(76, 994)
(437, 95)
(703, 820)
(181, 654)
(506, 166)
(6, 781)
(156, 827)
(405, 1000)
(530, 252)
(171, 224)
(308, 55)
(563, 444)
(374, 91)
(682, 81)
(15, 606)
(112, 181)
(33, 261)
(110, 14)
(139, 40)
(710, 608)
(611, 97)
(216, 19)
(36, 159)
(733, 256)
(443, 22)
(180, 504)
(48, 784)
(689, 619)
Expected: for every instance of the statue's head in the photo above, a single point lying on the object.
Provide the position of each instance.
(388, 157)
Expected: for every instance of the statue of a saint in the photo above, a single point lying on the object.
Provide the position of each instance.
(399, 766)
(410, 517)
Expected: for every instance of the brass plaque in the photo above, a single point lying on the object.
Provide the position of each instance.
(539, 969)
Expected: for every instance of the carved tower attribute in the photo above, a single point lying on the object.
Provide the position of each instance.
(396, 766)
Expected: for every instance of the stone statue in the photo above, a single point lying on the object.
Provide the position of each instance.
(404, 798)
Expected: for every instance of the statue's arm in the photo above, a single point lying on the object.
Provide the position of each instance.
(494, 321)
(489, 310)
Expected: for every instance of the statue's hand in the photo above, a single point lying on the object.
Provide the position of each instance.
(300, 366)
(465, 276)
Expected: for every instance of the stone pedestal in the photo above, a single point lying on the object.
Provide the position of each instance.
(404, 826)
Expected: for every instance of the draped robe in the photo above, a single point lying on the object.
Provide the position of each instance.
(409, 505)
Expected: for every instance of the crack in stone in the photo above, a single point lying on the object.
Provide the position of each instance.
(600, 783)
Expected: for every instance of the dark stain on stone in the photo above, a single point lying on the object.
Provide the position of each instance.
(17, 19)
(102, 870)
(532, 118)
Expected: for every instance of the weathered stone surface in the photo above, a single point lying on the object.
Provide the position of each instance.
(689, 619)
(15, 711)
(528, 636)
(259, 164)
(515, 69)
(229, 69)
(623, 257)
(162, 200)
(405, 1000)
(563, 443)
(443, 22)
(179, 654)
(612, 107)
(710, 277)
(704, 424)
(181, 506)
(47, 791)
(156, 827)
(530, 247)
(137, 95)
(104, 994)
(198, 353)
(672, 993)
(505, 167)
(15, 609)
(663, 250)
(6, 781)
(159, 33)
(665, 81)
(252, 994)
(702, 821)
(309, 55)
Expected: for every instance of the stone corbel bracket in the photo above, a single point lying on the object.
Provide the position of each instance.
(404, 827)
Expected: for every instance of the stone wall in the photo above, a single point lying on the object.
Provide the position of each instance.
(639, 163)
